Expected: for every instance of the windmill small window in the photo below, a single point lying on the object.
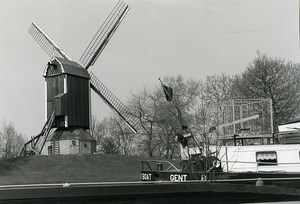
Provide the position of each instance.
(74, 142)
(53, 69)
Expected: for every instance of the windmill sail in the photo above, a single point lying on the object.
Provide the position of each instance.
(104, 34)
(114, 103)
(46, 43)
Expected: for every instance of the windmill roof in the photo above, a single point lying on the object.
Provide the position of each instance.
(69, 67)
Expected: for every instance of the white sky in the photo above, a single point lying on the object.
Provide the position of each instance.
(157, 38)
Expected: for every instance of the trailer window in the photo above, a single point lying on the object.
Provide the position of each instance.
(266, 158)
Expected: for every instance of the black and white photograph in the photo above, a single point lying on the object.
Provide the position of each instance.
(149, 101)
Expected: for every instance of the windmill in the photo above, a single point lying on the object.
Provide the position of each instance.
(68, 93)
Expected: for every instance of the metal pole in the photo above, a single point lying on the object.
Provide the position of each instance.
(272, 125)
(226, 158)
(233, 116)
(241, 116)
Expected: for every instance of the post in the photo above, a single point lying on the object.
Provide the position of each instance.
(241, 116)
(226, 154)
(233, 117)
(160, 167)
(271, 115)
(259, 182)
(234, 139)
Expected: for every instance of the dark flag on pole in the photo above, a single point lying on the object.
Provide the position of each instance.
(167, 90)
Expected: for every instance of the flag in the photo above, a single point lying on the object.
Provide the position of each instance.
(168, 92)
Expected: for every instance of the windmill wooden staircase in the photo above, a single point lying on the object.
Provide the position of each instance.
(36, 144)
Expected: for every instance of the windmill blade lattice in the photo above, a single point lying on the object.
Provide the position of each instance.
(111, 100)
(46, 43)
(104, 34)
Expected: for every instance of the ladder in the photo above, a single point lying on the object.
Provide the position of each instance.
(55, 147)
(36, 144)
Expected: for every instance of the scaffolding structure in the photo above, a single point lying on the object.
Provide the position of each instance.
(243, 117)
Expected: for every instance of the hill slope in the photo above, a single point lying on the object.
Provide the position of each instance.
(69, 168)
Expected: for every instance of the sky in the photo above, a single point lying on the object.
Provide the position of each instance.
(157, 38)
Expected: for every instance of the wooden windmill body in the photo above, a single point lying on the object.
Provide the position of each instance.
(68, 94)
(68, 97)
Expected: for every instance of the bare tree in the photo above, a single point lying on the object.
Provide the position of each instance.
(12, 142)
(167, 125)
(185, 97)
(99, 130)
(276, 79)
(218, 88)
(109, 146)
(122, 135)
(177, 113)
(147, 105)
(161, 119)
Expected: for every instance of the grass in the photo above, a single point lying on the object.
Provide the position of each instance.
(69, 168)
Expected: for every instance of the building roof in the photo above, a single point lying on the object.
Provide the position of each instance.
(67, 67)
(71, 133)
(297, 120)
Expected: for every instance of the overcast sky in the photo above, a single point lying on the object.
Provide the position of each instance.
(157, 38)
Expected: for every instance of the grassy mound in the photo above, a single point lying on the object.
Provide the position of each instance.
(69, 168)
